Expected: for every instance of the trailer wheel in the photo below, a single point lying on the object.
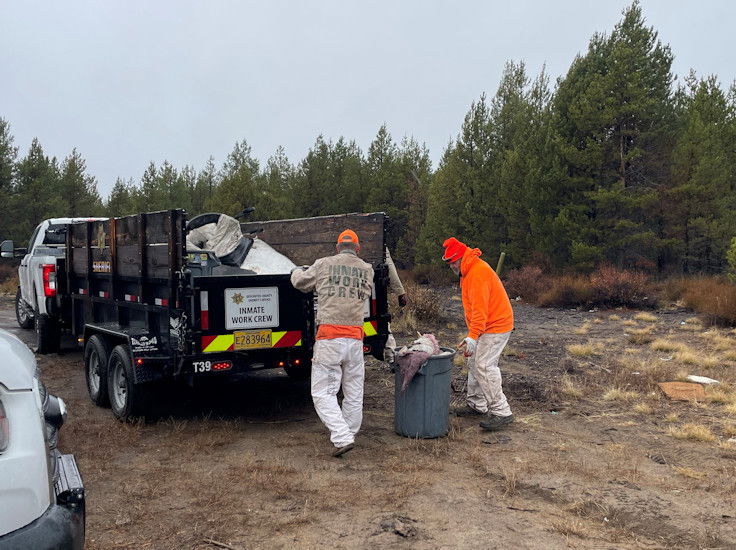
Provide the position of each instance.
(47, 333)
(23, 312)
(127, 399)
(96, 357)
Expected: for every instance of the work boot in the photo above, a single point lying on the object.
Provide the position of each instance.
(467, 410)
(493, 422)
(344, 449)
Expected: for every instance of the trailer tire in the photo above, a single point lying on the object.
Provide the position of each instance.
(23, 312)
(96, 358)
(128, 400)
(47, 333)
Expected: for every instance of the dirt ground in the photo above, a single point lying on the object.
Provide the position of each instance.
(598, 456)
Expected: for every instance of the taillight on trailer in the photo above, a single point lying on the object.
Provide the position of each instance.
(222, 365)
(4, 429)
(281, 364)
(205, 310)
(49, 280)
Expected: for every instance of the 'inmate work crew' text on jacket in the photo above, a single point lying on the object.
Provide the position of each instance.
(487, 306)
(343, 283)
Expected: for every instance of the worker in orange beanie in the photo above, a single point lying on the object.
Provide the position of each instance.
(490, 320)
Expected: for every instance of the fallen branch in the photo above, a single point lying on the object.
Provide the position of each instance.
(220, 544)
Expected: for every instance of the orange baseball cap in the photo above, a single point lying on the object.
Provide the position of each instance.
(348, 236)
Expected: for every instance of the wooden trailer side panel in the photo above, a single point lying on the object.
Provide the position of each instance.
(303, 240)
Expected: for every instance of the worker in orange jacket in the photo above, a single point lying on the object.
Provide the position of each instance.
(490, 320)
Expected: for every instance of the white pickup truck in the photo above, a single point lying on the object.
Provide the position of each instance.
(37, 301)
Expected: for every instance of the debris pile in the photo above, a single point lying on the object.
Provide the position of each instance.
(225, 238)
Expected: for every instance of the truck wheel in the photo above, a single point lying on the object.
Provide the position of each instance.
(47, 333)
(23, 312)
(127, 399)
(96, 357)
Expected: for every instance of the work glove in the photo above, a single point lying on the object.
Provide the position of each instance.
(468, 345)
(402, 300)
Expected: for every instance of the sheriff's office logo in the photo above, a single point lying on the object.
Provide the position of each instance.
(237, 298)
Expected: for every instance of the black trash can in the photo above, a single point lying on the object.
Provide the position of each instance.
(423, 410)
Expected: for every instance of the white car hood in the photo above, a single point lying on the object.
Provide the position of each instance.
(18, 365)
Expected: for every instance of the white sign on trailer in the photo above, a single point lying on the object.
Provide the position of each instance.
(251, 307)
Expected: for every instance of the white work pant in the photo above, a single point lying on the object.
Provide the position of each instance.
(484, 377)
(339, 362)
(388, 351)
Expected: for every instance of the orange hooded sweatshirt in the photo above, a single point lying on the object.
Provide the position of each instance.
(487, 306)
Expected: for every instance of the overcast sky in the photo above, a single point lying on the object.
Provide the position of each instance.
(129, 82)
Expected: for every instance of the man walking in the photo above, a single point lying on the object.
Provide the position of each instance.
(343, 283)
(490, 320)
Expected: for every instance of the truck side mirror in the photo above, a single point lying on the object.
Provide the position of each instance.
(7, 249)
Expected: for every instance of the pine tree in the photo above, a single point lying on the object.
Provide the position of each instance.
(121, 201)
(417, 169)
(238, 180)
(387, 190)
(8, 155)
(612, 113)
(37, 193)
(79, 189)
(442, 219)
(204, 188)
(702, 176)
(275, 199)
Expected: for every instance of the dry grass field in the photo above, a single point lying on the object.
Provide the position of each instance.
(598, 457)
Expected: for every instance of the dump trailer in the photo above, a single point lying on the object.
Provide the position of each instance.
(150, 313)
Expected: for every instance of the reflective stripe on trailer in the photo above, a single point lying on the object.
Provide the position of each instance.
(370, 328)
(226, 342)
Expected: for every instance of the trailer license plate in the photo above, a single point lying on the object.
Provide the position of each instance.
(252, 339)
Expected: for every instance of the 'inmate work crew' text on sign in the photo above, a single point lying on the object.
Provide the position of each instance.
(251, 307)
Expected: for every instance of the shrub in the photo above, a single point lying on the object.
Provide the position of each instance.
(672, 289)
(568, 290)
(527, 282)
(423, 305)
(714, 297)
(9, 286)
(434, 275)
(731, 259)
(8, 270)
(618, 287)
